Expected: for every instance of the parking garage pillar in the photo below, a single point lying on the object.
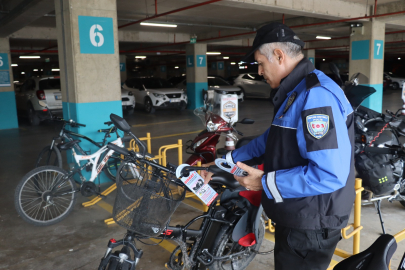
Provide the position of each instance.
(89, 64)
(196, 63)
(8, 110)
(310, 54)
(367, 57)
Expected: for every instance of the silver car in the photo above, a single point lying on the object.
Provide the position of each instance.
(218, 84)
(253, 85)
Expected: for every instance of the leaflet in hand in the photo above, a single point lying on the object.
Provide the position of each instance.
(196, 184)
(229, 167)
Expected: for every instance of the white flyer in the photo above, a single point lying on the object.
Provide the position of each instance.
(196, 184)
(230, 167)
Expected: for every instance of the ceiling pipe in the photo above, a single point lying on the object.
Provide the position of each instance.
(346, 37)
(169, 12)
(375, 7)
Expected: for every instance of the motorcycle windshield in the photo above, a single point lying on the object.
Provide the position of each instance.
(357, 94)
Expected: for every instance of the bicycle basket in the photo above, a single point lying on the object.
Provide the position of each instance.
(146, 198)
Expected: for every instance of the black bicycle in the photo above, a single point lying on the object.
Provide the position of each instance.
(230, 233)
(51, 154)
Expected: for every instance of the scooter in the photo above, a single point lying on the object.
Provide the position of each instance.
(204, 147)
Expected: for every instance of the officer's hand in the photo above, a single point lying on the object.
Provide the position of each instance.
(253, 181)
(206, 175)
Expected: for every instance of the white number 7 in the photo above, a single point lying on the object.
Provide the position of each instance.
(201, 59)
(378, 49)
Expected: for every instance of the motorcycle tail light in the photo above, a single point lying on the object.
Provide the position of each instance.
(363, 139)
(41, 94)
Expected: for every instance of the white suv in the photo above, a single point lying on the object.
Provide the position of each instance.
(155, 93)
(397, 82)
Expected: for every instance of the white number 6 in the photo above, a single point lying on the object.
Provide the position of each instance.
(93, 35)
(1, 61)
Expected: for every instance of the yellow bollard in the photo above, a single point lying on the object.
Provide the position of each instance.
(357, 215)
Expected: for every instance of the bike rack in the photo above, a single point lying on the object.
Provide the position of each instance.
(132, 146)
(355, 225)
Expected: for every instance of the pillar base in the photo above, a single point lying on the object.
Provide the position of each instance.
(194, 95)
(8, 110)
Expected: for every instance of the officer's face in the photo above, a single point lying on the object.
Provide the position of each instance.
(271, 71)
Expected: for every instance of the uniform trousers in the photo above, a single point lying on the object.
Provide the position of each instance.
(297, 249)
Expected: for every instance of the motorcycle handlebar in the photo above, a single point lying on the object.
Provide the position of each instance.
(379, 150)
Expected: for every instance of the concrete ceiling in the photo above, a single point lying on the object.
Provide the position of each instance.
(30, 24)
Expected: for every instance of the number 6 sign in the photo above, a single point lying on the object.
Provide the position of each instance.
(96, 35)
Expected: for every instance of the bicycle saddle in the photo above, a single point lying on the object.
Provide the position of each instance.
(376, 257)
(223, 178)
(68, 145)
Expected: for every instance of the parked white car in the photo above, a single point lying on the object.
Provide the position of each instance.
(253, 85)
(36, 89)
(218, 84)
(397, 82)
(128, 101)
(154, 93)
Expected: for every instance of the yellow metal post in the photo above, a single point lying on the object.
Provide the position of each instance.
(357, 215)
(180, 151)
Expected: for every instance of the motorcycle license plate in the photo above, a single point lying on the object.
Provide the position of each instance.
(174, 100)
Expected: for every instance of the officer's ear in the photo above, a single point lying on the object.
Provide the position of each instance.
(279, 56)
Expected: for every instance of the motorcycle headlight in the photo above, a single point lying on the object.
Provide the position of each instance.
(159, 95)
(130, 93)
(199, 143)
(211, 127)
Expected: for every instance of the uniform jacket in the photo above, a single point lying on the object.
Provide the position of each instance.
(307, 153)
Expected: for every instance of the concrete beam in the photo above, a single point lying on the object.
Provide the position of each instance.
(23, 14)
(390, 8)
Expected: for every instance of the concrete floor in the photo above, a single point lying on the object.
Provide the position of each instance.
(79, 241)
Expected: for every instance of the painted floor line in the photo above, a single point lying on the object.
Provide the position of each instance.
(158, 123)
(178, 134)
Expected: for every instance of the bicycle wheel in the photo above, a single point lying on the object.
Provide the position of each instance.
(49, 157)
(226, 246)
(35, 202)
(111, 167)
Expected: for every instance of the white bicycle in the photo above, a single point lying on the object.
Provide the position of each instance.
(46, 195)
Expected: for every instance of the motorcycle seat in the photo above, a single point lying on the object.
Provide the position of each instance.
(376, 257)
(225, 179)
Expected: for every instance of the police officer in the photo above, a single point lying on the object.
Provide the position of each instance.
(308, 177)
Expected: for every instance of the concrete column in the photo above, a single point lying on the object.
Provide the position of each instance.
(310, 54)
(161, 71)
(89, 64)
(196, 63)
(8, 110)
(367, 57)
(123, 68)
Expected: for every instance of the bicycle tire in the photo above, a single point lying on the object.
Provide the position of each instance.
(224, 237)
(34, 186)
(49, 157)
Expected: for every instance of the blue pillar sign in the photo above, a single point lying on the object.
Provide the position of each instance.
(378, 49)
(201, 61)
(4, 70)
(220, 65)
(96, 35)
(122, 67)
(312, 60)
(214, 66)
(190, 61)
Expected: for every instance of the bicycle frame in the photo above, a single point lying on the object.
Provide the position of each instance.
(93, 158)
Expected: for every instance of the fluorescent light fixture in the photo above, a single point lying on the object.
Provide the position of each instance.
(29, 56)
(241, 67)
(16, 81)
(55, 69)
(158, 24)
(42, 69)
(226, 57)
(176, 67)
(23, 72)
(241, 62)
(140, 57)
(213, 53)
(399, 58)
(233, 63)
(323, 59)
(14, 65)
(35, 69)
(322, 37)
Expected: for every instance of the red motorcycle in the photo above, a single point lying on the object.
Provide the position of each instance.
(204, 146)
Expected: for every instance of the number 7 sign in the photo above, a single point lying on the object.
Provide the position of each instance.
(378, 49)
(201, 61)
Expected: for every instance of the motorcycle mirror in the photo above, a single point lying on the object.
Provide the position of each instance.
(120, 123)
(247, 121)
(41, 103)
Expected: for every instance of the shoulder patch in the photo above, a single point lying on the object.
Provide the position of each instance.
(312, 81)
(317, 125)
